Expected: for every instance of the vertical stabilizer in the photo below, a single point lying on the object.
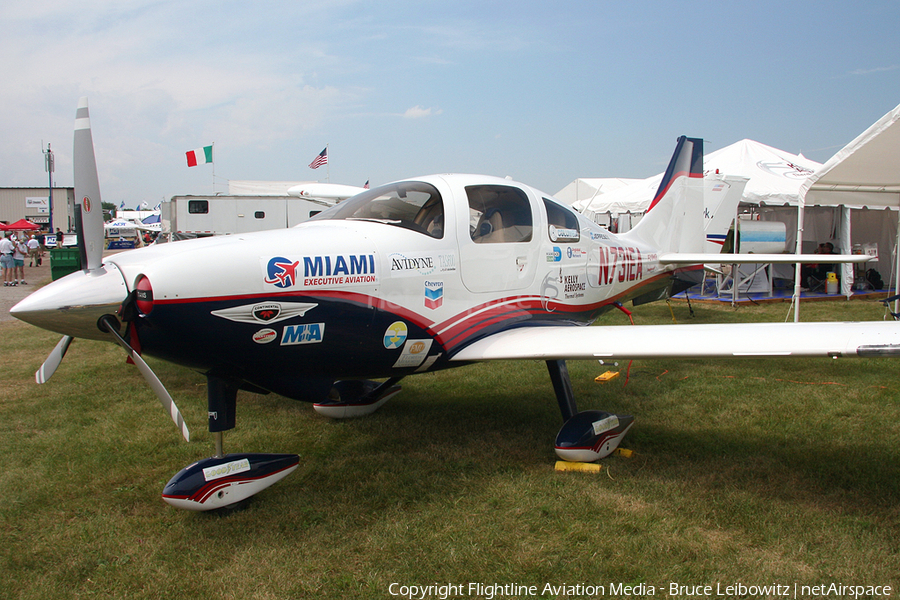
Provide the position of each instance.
(674, 221)
(87, 189)
(687, 161)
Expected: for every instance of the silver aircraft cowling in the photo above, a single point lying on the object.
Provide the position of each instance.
(73, 305)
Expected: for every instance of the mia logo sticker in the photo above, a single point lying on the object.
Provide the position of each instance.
(281, 272)
(395, 335)
(309, 333)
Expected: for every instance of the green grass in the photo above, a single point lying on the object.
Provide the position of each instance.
(755, 472)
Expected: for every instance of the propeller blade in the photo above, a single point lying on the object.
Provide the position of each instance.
(49, 367)
(87, 188)
(155, 384)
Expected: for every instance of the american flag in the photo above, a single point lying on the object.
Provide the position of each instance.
(367, 185)
(321, 159)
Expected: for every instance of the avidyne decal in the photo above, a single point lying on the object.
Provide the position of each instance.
(402, 264)
(422, 264)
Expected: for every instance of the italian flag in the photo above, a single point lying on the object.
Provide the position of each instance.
(200, 156)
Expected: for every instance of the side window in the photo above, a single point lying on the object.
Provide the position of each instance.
(198, 207)
(498, 214)
(562, 223)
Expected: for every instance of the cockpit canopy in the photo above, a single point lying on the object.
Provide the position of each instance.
(413, 205)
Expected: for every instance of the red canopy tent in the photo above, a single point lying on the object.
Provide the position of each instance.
(20, 225)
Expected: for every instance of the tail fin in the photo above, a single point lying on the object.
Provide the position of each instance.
(687, 161)
(674, 221)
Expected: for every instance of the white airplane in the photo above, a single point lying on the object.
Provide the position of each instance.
(414, 276)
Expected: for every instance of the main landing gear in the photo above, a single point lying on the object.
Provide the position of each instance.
(227, 480)
(585, 436)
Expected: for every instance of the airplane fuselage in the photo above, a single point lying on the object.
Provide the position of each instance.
(376, 295)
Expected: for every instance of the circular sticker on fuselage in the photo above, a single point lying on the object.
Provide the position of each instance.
(395, 335)
(264, 336)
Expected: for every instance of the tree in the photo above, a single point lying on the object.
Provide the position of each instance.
(108, 210)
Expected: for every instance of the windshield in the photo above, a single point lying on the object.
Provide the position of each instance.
(413, 205)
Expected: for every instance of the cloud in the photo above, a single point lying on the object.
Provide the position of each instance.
(875, 70)
(417, 112)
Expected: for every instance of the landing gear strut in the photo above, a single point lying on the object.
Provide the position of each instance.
(585, 436)
(225, 479)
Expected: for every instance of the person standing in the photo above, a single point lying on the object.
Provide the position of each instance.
(19, 253)
(34, 252)
(6, 259)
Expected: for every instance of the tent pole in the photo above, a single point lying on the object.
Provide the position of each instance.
(897, 264)
(846, 238)
(797, 266)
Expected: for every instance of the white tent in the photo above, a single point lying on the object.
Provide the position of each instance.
(633, 198)
(864, 173)
(774, 183)
(775, 178)
(774, 192)
(120, 228)
(591, 187)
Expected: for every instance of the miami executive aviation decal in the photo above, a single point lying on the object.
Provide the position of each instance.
(323, 271)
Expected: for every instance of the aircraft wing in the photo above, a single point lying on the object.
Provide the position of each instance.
(696, 259)
(742, 340)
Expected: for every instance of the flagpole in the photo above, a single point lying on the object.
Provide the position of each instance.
(214, 168)
(327, 167)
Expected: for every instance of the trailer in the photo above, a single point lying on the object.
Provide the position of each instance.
(202, 216)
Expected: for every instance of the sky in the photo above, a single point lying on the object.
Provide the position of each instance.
(543, 92)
